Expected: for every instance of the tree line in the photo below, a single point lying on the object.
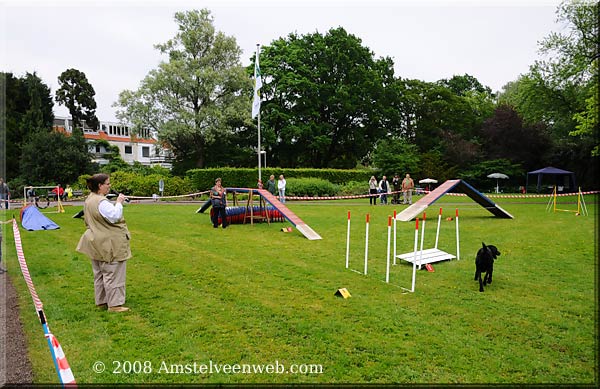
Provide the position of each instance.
(327, 102)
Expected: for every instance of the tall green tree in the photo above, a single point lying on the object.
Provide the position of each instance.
(396, 156)
(28, 104)
(506, 136)
(444, 116)
(560, 91)
(78, 95)
(50, 157)
(325, 102)
(572, 60)
(198, 98)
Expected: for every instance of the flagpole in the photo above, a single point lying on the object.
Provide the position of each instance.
(259, 149)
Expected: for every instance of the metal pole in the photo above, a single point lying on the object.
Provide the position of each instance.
(259, 149)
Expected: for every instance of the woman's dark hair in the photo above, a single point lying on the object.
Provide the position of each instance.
(94, 182)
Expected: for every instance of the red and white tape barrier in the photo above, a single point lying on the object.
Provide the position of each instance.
(60, 360)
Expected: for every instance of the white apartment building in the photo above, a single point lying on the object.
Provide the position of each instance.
(141, 147)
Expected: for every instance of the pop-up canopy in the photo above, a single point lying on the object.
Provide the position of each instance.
(557, 176)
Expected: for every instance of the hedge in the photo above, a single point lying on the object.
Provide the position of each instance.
(133, 184)
(203, 179)
(303, 182)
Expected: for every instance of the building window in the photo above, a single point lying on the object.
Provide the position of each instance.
(97, 148)
(146, 152)
(128, 150)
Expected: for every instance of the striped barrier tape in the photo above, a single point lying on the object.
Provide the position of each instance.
(523, 196)
(314, 198)
(61, 364)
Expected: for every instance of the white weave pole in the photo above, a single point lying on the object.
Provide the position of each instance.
(387, 266)
(366, 243)
(348, 242)
(457, 238)
(437, 234)
(394, 237)
(422, 237)
(414, 273)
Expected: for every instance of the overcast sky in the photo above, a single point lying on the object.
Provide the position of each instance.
(113, 42)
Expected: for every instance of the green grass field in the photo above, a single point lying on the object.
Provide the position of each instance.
(253, 296)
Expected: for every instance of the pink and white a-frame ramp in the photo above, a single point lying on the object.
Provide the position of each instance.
(304, 228)
(459, 186)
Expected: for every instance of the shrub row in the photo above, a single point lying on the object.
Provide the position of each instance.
(133, 184)
(300, 182)
(310, 187)
(203, 179)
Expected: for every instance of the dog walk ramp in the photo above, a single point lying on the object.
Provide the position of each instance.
(426, 256)
(451, 185)
(301, 226)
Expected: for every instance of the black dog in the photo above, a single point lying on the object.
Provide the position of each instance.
(484, 263)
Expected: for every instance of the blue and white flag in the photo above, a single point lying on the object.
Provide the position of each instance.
(257, 86)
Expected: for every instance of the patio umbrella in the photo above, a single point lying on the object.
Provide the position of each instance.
(497, 176)
(427, 181)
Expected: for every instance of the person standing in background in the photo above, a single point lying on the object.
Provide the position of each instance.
(68, 192)
(281, 187)
(373, 190)
(397, 186)
(4, 193)
(384, 189)
(2, 270)
(218, 197)
(407, 187)
(271, 185)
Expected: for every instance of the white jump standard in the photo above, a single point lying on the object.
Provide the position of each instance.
(366, 245)
(432, 255)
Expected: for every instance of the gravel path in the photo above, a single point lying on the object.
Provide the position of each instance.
(15, 367)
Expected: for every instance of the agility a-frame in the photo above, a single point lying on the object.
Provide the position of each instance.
(581, 208)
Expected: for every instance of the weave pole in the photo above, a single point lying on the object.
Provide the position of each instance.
(414, 272)
(394, 237)
(348, 242)
(437, 234)
(422, 238)
(366, 243)
(457, 238)
(387, 266)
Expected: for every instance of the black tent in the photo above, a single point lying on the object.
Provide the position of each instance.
(558, 178)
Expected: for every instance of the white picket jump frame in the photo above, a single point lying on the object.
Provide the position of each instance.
(434, 254)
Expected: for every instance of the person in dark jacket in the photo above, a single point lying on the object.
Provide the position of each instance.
(271, 185)
(218, 196)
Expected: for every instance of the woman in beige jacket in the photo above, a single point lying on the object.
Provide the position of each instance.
(106, 242)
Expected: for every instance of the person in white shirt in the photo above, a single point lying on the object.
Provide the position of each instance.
(281, 187)
(384, 189)
(373, 190)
